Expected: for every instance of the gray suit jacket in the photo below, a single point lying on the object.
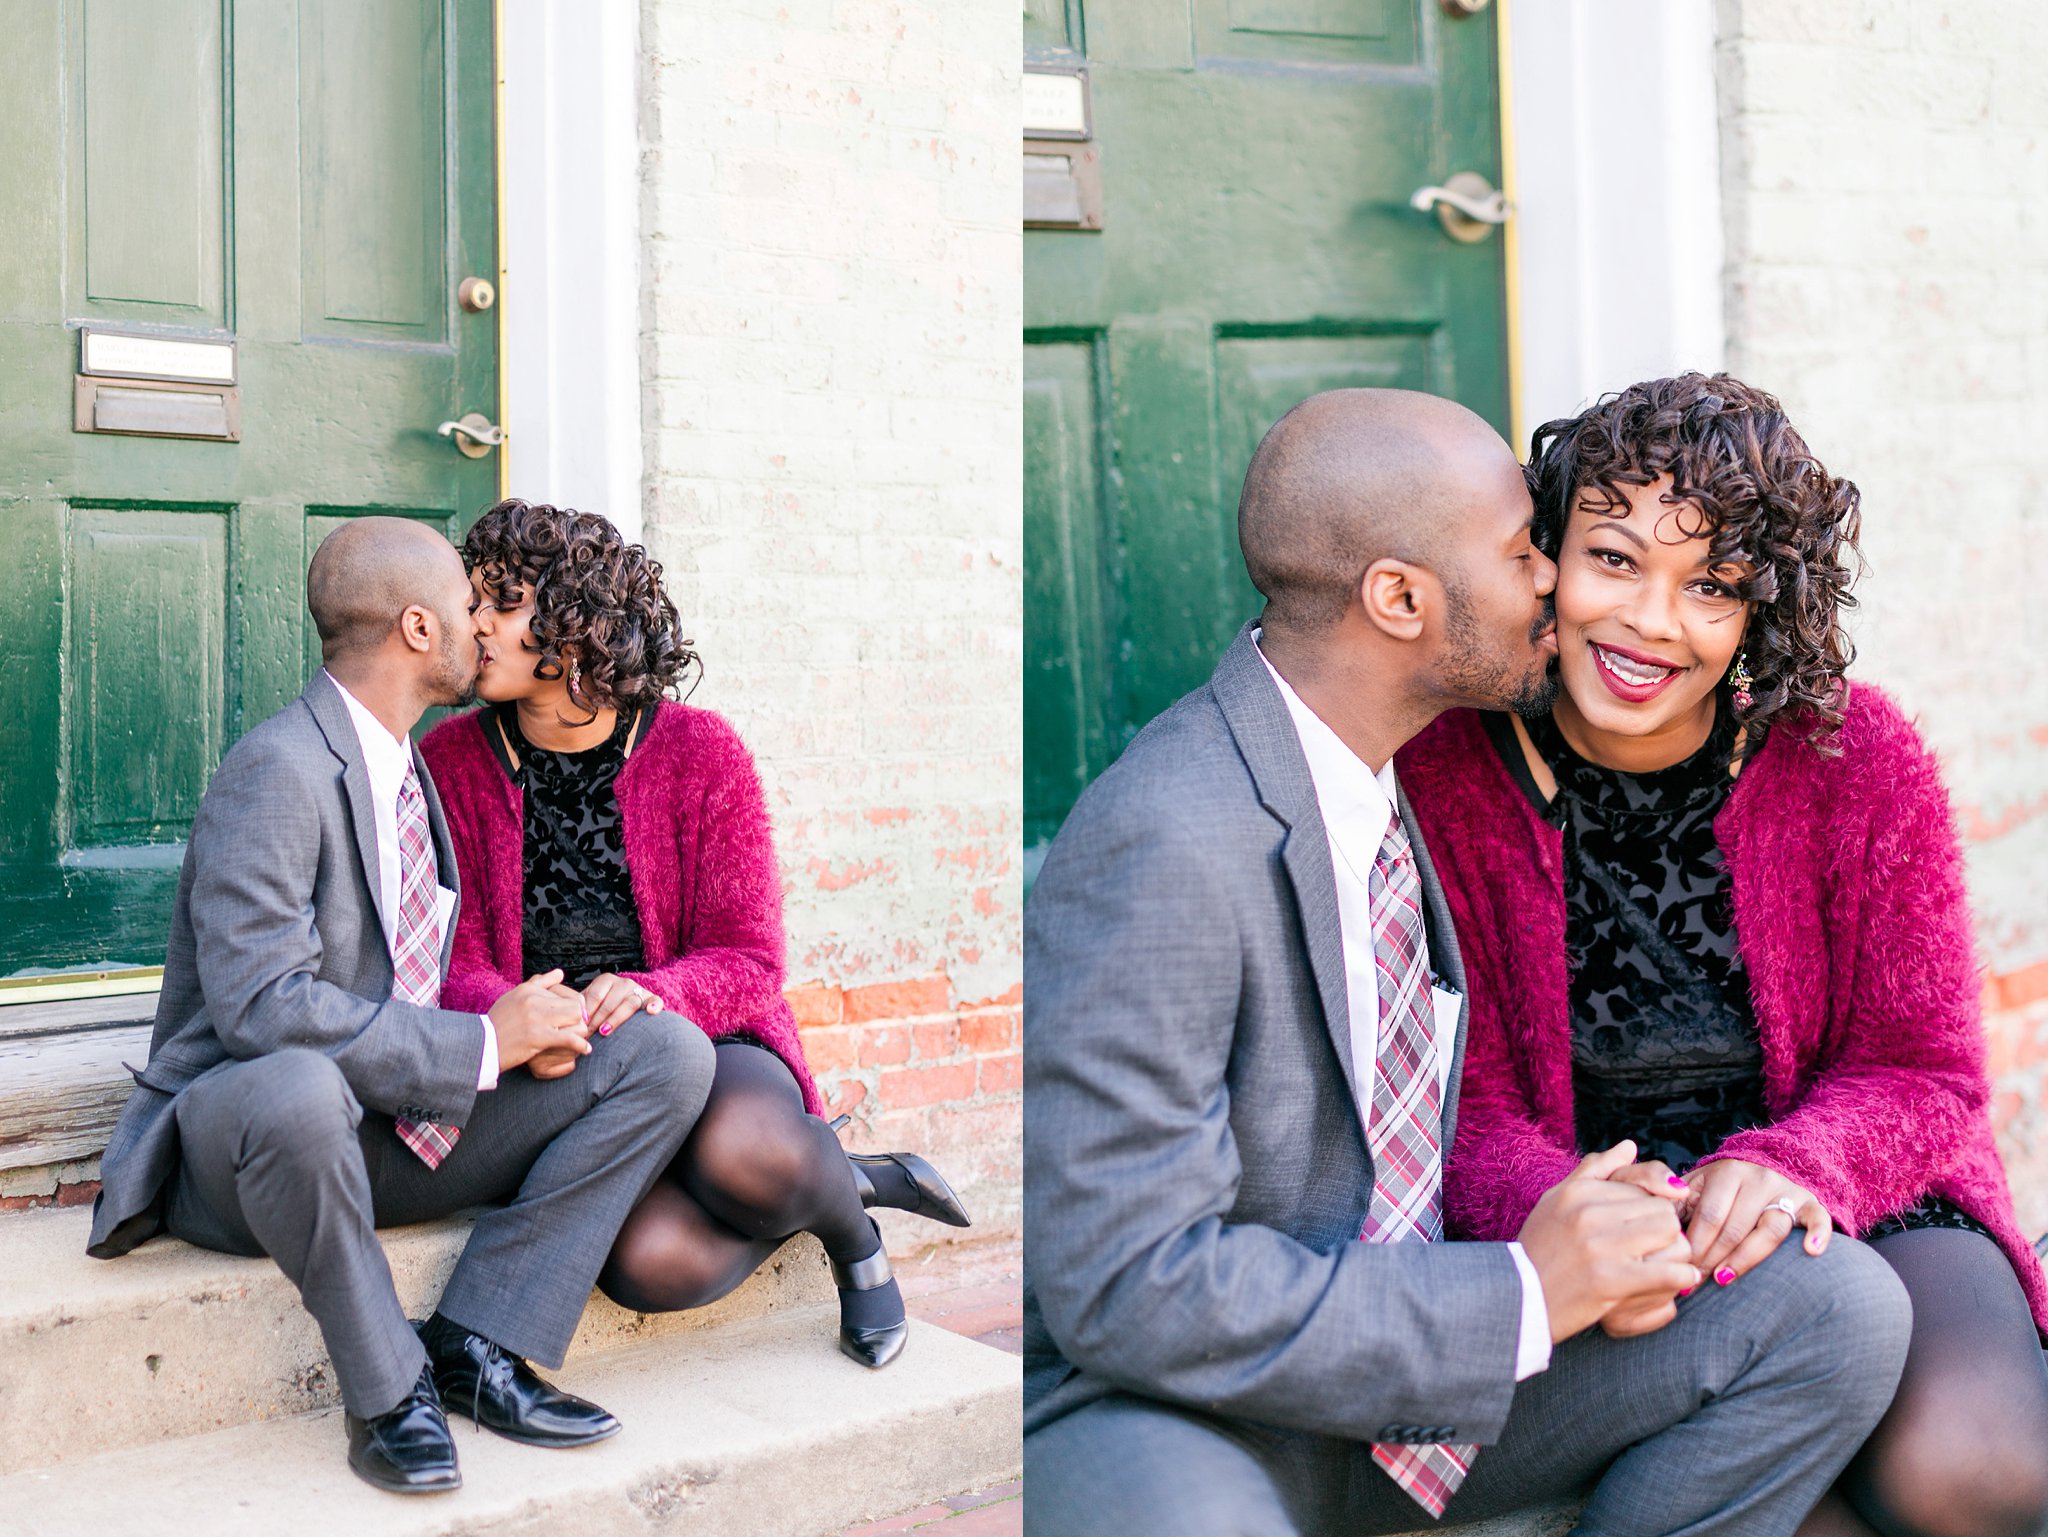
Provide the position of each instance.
(276, 942)
(1195, 1173)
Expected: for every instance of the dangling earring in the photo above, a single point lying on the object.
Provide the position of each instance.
(575, 677)
(1740, 680)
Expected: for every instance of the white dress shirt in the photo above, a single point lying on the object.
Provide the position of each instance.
(387, 758)
(1357, 805)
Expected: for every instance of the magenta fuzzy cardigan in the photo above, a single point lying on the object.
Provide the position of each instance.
(702, 862)
(1853, 923)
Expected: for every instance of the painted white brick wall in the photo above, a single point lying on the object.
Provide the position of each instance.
(831, 345)
(1886, 191)
(1885, 187)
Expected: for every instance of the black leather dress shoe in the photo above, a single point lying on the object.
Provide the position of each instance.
(409, 1449)
(503, 1394)
(932, 1196)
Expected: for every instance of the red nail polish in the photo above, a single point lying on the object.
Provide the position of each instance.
(1688, 1291)
(604, 1030)
(1724, 1276)
(1678, 1183)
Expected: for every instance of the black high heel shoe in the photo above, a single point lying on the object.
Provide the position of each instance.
(871, 1345)
(931, 1196)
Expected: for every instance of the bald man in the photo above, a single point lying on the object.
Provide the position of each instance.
(304, 1087)
(1244, 1030)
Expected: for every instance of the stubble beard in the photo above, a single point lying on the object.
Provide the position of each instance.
(1475, 671)
(455, 684)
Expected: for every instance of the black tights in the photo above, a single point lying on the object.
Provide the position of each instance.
(755, 1170)
(1963, 1450)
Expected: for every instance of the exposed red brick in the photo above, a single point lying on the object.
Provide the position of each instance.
(22, 1202)
(816, 1005)
(2016, 989)
(940, 1038)
(843, 1097)
(898, 1000)
(1002, 1075)
(1010, 999)
(830, 1048)
(882, 1045)
(81, 1194)
(927, 1085)
(983, 1033)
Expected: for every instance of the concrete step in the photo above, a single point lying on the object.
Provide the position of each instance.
(759, 1428)
(172, 1341)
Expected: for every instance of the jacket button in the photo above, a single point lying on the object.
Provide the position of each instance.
(1392, 1433)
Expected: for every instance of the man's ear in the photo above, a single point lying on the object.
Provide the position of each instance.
(416, 629)
(1396, 596)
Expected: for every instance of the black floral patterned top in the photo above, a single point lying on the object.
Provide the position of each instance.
(1665, 1049)
(579, 912)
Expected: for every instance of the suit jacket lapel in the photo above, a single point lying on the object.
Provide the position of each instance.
(1265, 735)
(331, 715)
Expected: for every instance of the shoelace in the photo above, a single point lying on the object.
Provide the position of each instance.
(494, 1362)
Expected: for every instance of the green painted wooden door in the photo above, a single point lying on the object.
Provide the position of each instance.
(1257, 159)
(311, 179)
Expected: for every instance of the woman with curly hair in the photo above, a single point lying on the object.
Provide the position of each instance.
(1712, 903)
(602, 828)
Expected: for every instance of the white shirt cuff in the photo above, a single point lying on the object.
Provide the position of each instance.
(1532, 1350)
(487, 1075)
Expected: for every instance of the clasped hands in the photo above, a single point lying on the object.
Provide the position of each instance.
(1617, 1242)
(544, 1025)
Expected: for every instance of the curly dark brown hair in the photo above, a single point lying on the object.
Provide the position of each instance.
(593, 594)
(1756, 491)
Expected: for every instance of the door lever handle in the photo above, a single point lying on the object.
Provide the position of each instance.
(1467, 205)
(474, 435)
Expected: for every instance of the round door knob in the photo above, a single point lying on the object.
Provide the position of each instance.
(1467, 205)
(476, 295)
(474, 435)
(1465, 7)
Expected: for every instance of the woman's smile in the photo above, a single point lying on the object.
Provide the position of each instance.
(1634, 677)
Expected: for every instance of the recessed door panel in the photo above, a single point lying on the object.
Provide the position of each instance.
(149, 232)
(374, 168)
(1065, 712)
(1052, 24)
(148, 644)
(1258, 378)
(1354, 31)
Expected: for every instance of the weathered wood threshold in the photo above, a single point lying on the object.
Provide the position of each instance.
(62, 1082)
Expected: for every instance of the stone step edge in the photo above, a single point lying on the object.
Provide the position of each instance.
(171, 1341)
(761, 1429)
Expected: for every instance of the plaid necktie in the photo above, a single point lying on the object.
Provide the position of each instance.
(1406, 1124)
(415, 953)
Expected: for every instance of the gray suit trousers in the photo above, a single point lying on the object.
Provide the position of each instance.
(1729, 1422)
(278, 1157)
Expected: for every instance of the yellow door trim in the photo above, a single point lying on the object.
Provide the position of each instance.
(62, 987)
(498, 170)
(1511, 238)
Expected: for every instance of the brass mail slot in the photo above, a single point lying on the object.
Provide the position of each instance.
(1062, 185)
(149, 409)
